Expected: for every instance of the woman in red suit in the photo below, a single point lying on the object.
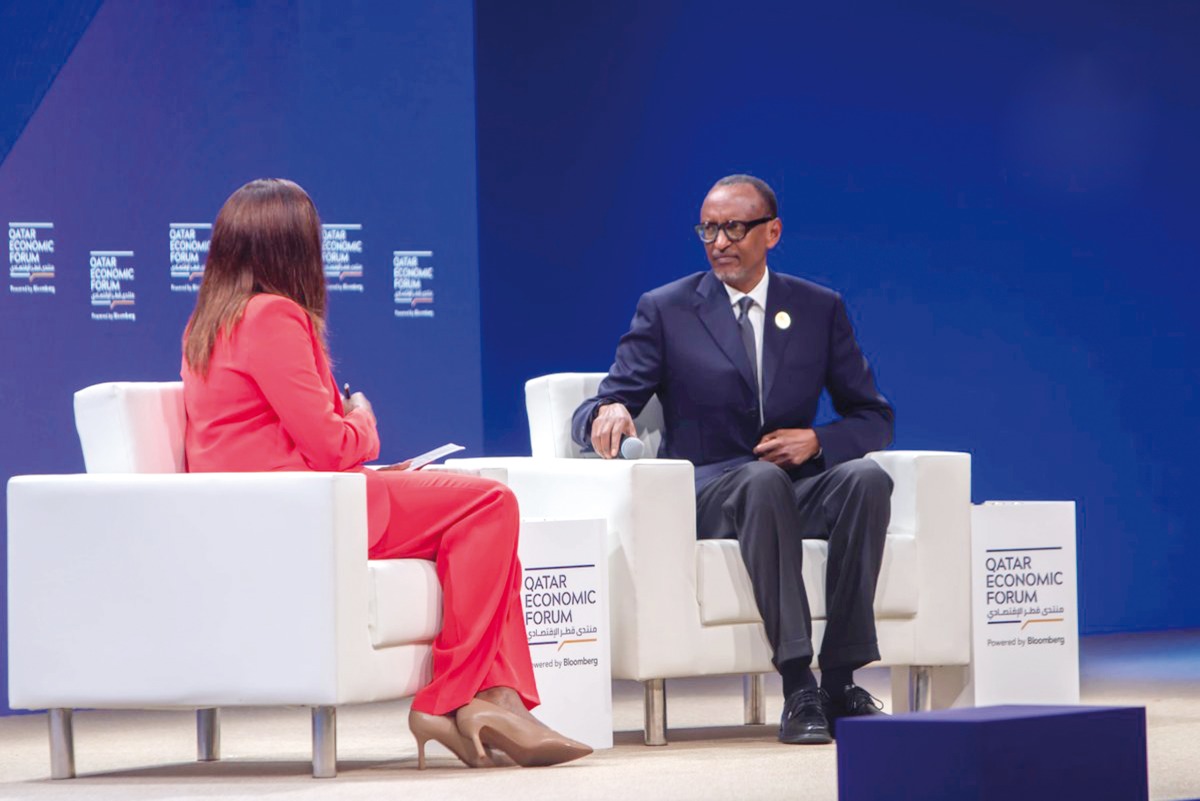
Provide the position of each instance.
(260, 395)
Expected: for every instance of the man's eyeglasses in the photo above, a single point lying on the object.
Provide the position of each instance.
(735, 230)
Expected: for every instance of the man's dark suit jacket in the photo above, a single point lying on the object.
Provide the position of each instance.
(684, 346)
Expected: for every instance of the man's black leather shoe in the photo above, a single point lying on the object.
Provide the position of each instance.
(854, 703)
(804, 721)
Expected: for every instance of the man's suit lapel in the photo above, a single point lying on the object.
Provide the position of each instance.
(776, 338)
(712, 306)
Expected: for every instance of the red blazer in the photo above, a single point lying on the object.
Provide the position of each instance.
(270, 403)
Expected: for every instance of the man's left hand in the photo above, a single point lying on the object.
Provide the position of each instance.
(788, 447)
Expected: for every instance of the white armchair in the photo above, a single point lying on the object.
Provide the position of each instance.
(136, 586)
(682, 607)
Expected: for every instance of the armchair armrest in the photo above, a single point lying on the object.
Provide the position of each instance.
(141, 590)
(931, 501)
(649, 506)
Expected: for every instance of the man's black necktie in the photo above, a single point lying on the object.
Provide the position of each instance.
(747, 332)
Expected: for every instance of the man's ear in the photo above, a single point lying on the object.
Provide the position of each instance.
(774, 232)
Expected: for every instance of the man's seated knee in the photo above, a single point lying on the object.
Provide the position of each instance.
(763, 477)
(867, 477)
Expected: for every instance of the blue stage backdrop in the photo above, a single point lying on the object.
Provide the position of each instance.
(1006, 195)
(160, 112)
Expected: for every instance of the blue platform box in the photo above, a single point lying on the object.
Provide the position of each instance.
(997, 753)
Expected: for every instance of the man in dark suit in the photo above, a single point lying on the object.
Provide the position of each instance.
(738, 357)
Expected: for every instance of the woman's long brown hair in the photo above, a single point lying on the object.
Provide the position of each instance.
(267, 238)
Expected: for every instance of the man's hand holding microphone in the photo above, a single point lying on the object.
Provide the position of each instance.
(614, 434)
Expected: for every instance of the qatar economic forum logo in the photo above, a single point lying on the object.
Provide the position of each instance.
(111, 273)
(412, 283)
(31, 258)
(189, 253)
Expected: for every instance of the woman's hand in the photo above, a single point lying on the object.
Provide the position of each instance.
(396, 466)
(359, 401)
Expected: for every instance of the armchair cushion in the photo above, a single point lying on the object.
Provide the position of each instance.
(408, 585)
(551, 400)
(131, 426)
(725, 594)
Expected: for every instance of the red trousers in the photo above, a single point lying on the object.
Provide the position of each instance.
(468, 526)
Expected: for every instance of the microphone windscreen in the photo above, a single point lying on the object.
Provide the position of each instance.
(632, 447)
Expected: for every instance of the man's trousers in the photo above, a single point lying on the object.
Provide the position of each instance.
(848, 505)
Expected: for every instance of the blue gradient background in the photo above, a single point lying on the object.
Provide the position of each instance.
(1006, 196)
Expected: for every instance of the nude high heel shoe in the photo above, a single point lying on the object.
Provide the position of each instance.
(425, 727)
(527, 742)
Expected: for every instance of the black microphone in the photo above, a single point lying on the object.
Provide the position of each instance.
(631, 448)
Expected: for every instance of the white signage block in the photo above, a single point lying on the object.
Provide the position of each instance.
(1025, 609)
(564, 598)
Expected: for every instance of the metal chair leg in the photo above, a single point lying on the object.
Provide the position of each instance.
(754, 698)
(919, 699)
(62, 744)
(208, 734)
(656, 712)
(324, 733)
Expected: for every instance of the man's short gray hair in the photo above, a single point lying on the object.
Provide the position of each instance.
(764, 191)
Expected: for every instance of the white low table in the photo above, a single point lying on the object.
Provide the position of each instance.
(564, 600)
